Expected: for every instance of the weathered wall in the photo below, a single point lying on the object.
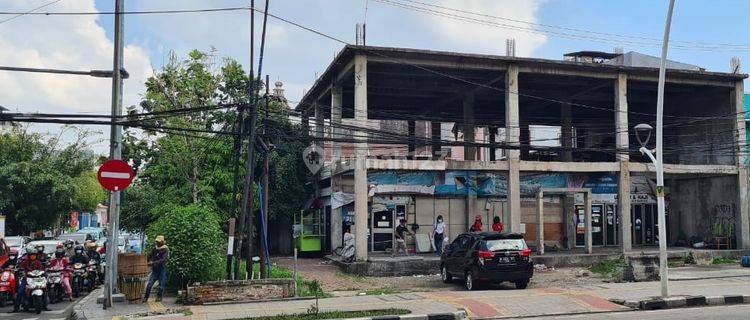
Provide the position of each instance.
(230, 291)
(697, 205)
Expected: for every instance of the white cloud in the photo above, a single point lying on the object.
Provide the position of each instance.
(63, 42)
(484, 38)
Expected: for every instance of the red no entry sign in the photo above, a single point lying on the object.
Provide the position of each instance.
(115, 175)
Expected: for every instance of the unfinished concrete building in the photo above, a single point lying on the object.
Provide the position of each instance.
(461, 135)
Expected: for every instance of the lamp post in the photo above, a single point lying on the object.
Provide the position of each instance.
(645, 129)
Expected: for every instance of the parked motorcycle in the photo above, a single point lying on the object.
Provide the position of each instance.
(55, 289)
(36, 288)
(78, 280)
(8, 286)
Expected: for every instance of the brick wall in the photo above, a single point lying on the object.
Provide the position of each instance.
(227, 291)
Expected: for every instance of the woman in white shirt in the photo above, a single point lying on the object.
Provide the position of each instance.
(439, 234)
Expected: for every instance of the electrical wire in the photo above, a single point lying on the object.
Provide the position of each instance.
(21, 14)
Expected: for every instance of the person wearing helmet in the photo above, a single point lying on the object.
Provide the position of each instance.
(79, 256)
(158, 259)
(31, 263)
(95, 256)
(63, 264)
(69, 248)
(40, 254)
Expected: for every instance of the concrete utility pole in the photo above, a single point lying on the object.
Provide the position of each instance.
(115, 152)
(660, 157)
(242, 225)
(264, 218)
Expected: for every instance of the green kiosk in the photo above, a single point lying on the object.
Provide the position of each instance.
(308, 231)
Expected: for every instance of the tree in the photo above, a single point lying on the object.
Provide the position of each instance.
(38, 177)
(87, 193)
(195, 242)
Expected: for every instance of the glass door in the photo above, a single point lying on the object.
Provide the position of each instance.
(637, 218)
(612, 224)
(597, 225)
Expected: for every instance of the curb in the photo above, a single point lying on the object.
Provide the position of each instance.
(682, 302)
(458, 315)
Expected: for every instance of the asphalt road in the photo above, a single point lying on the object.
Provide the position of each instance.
(717, 312)
(59, 311)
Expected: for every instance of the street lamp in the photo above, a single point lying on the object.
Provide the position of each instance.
(641, 130)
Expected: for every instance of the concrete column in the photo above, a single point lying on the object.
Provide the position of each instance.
(360, 169)
(412, 126)
(540, 222)
(493, 134)
(470, 153)
(622, 144)
(305, 122)
(525, 140)
(337, 100)
(435, 134)
(319, 125)
(336, 214)
(743, 227)
(566, 132)
(589, 241)
(512, 139)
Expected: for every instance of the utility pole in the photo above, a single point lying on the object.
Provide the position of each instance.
(660, 157)
(241, 228)
(115, 152)
(264, 218)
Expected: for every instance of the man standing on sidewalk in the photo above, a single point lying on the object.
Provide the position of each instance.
(401, 231)
(157, 259)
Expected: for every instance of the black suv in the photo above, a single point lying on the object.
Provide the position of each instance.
(488, 257)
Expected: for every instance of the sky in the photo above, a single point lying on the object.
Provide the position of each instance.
(294, 56)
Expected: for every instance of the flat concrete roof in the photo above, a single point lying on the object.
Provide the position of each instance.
(429, 60)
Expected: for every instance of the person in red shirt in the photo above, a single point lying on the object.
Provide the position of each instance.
(477, 226)
(497, 226)
(30, 263)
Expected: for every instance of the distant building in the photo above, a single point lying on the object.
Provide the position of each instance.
(515, 126)
(4, 124)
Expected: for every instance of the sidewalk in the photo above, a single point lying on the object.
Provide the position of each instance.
(88, 309)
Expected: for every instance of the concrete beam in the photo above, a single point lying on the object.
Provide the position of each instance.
(674, 80)
(426, 62)
(512, 138)
(542, 69)
(685, 168)
(569, 166)
(398, 164)
(477, 165)
(360, 169)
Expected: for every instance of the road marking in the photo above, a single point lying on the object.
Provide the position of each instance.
(57, 319)
(30, 319)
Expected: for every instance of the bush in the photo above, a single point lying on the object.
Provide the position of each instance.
(195, 241)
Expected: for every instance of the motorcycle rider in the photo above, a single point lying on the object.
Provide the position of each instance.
(31, 263)
(95, 256)
(60, 261)
(69, 248)
(78, 256)
(41, 255)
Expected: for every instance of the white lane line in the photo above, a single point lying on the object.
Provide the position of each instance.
(30, 319)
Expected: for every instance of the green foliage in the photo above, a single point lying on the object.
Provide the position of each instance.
(41, 181)
(380, 291)
(609, 268)
(724, 260)
(336, 315)
(183, 168)
(688, 258)
(194, 239)
(87, 192)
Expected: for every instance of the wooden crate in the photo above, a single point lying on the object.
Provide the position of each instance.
(132, 265)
